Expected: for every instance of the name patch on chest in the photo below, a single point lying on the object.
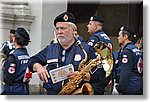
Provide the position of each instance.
(52, 60)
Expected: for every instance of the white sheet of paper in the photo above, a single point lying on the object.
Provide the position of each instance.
(61, 73)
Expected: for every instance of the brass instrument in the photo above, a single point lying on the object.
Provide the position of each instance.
(106, 56)
(2, 57)
(72, 86)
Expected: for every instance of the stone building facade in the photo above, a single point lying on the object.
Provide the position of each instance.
(37, 18)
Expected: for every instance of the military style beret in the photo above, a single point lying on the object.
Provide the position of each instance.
(12, 31)
(97, 18)
(65, 17)
(128, 29)
(23, 33)
(131, 31)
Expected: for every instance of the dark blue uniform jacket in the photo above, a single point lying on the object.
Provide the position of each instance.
(96, 37)
(52, 57)
(8, 47)
(130, 70)
(15, 72)
(99, 36)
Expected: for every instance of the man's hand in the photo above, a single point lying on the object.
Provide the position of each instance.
(72, 74)
(41, 71)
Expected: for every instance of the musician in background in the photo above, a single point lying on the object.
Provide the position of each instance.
(130, 64)
(15, 73)
(139, 43)
(77, 36)
(66, 51)
(137, 40)
(8, 46)
(95, 29)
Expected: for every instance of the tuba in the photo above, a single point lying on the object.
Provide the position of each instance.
(105, 58)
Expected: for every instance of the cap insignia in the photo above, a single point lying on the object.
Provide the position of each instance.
(91, 18)
(121, 28)
(65, 17)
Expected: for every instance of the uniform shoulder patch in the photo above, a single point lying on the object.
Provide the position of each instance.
(124, 59)
(77, 57)
(11, 70)
(12, 65)
(90, 44)
(140, 65)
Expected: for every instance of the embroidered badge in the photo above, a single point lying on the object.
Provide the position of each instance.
(140, 65)
(124, 60)
(65, 17)
(11, 70)
(92, 40)
(52, 60)
(12, 65)
(90, 43)
(28, 75)
(110, 46)
(124, 55)
(77, 57)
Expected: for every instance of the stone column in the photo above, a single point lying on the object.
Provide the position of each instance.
(14, 14)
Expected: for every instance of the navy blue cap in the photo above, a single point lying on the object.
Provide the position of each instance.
(12, 31)
(65, 17)
(23, 33)
(97, 18)
(131, 31)
(128, 29)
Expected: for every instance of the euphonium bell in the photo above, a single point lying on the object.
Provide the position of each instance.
(106, 56)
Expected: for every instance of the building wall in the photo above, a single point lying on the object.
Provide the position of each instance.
(49, 11)
(41, 32)
(40, 29)
(36, 31)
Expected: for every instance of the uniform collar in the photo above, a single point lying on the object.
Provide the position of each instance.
(69, 47)
(99, 31)
(127, 44)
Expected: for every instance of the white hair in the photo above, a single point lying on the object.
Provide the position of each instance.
(72, 24)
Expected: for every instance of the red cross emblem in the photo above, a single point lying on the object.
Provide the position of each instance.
(140, 65)
(110, 46)
(11, 70)
(124, 60)
(28, 75)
